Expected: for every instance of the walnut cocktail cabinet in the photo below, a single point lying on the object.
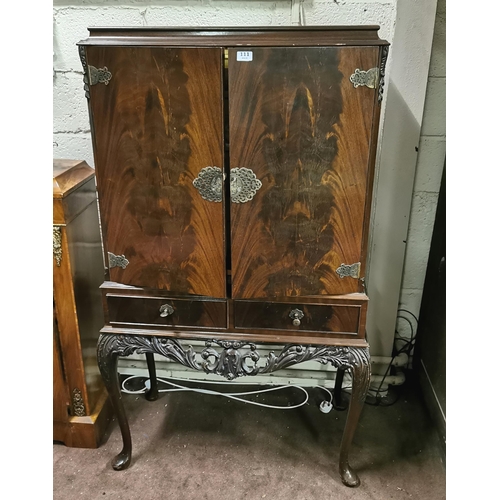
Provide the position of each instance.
(81, 407)
(234, 169)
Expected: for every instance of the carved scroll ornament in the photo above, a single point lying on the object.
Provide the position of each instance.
(232, 358)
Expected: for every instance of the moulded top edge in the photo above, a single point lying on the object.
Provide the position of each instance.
(201, 29)
(240, 35)
(270, 39)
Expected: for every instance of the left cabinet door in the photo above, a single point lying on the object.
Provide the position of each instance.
(156, 116)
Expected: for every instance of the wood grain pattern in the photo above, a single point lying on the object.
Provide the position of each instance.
(146, 311)
(87, 273)
(317, 317)
(298, 122)
(69, 176)
(236, 36)
(60, 395)
(156, 125)
(371, 170)
(293, 117)
(67, 320)
(274, 337)
(77, 305)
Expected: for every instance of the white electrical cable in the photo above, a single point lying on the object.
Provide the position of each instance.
(230, 395)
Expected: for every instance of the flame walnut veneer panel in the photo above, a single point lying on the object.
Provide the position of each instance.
(316, 317)
(156, 124)
(298, 122)
(145, 311)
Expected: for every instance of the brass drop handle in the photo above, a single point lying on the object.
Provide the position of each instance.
(296, 315)
(166, 310)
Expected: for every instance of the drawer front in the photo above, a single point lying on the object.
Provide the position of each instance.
(309, 317)
(161, 311)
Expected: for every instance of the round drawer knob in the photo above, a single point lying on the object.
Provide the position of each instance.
(166, 310)
(296, 315)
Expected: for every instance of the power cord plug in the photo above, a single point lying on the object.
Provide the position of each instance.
(325, 406)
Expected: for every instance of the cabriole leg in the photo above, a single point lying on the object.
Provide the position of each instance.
(361, 369)
(337, 391)
(152, 394)
(107, 360)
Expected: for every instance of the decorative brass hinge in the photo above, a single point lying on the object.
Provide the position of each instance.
(117, 260)
(226, 58)
(78, 406)
(367, 78)
(57, 244)
(99, 75)
(349, 270)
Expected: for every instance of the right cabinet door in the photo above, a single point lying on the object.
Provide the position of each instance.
(302, 127)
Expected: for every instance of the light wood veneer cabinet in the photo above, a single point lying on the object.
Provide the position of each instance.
(81, 407)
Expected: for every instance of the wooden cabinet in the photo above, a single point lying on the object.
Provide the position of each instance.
(234, 170)
(81, 407)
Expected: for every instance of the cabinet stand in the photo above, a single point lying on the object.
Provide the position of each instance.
(232, 359)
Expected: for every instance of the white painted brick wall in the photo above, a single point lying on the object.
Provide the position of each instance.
(430, 162)
(349, 12)
(70, 114)
(71, 18)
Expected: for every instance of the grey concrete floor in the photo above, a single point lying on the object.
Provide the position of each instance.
(192, 446)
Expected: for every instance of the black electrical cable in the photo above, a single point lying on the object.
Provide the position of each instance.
(409, 312)
(408, 346)
(378, 399)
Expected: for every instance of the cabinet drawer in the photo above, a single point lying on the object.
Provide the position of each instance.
(162, 311)
(312, 317)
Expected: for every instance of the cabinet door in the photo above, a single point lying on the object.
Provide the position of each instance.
(298, 122)
(157, 122)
